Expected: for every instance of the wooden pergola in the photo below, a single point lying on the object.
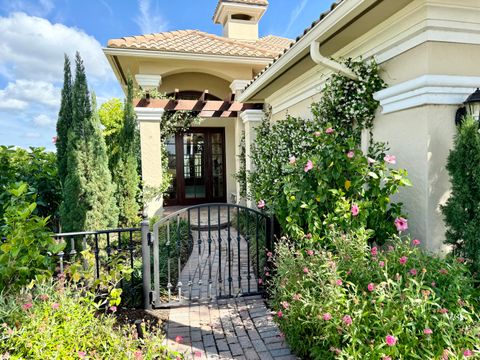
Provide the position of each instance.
(228, 108)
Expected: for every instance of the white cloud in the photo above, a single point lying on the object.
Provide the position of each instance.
(295, 14)
(43, 120)
(33, 7)
(25, 92)
(150, 20)
(34, 48)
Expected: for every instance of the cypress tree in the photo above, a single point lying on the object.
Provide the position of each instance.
(126, 168)
(64, 121)
(89, 201)
(462, 210)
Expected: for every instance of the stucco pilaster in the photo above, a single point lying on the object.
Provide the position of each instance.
(151, 151)
(251, 119)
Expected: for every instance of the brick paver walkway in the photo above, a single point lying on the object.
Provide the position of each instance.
(237, 328)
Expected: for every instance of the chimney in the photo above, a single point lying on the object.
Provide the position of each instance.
(240, 18)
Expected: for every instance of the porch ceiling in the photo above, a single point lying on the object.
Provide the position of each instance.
(205, 109)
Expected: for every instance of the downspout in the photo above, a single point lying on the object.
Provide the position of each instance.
(318, 58)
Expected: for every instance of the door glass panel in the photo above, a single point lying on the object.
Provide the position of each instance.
(172, 166)
(218, 167)
(194, 165)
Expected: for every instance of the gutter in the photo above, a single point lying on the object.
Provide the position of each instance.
(319, 59)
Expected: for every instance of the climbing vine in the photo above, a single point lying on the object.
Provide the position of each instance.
(241, 175)
(348, 105)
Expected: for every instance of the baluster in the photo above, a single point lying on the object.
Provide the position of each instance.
(169, 284)
(247, 239)
(97, 259)
(229, 239)
(190, 252)
(73, 251)
(219, 253)
(209, 256)
(257, 248)
(238, 250)
(200, 274)
(179, 282)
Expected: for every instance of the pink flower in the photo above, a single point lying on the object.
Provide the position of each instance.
(113, 308)
(54, 140)
(350, 154)
(27, 306)
(329, 131)
(81, 354)
(55, 306)
(308, 236)
(260, 281)
(401, 224)
(443, 311)
(179, 339)
(413, 272)
(355, 210)
(308, 166)
(310, 252)
(138, 355)
(415, 242)
(371, 161)
(280, 314)
(443, 271)
(347, 320)
(261, 204)
(327, 316)
(390, 340)
(374, 251)
(385, 357)
(44, 297)
(269, 254)
(197, 354)
(292, 160)
(305, 270)
(285, 304)
(460, 260)
(381, 263)
(428, 331)
(467, 353)
(317, 133)
(390, 248)
(297, 297)
(267, 273)
(433, 284)
(371, 287)
(339, 282)
(403, 260)
(391, 159)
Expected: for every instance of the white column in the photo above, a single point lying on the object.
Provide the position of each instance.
(151, 150)
(251, 119)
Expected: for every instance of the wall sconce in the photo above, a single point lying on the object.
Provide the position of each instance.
(471, 107)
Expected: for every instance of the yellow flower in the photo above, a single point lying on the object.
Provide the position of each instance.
(348, 184)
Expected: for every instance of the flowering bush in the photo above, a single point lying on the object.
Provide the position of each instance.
(373, 303)
(337, 185)
(53, 322)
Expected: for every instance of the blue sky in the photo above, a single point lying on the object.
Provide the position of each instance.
(36, 34)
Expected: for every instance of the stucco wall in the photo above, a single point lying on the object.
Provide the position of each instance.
(198, 82)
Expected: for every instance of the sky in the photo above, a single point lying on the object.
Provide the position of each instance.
(35, 35)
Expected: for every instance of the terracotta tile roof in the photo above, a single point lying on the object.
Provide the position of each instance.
(198, 42)
(305, 32)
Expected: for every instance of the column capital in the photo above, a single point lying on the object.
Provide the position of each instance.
(148, 81)
(149, 114)
(238, 85)
(252, 116)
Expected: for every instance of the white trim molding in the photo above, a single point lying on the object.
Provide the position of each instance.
(238, 85)
(427, 90)
(149, 114)
(148, 82)
(252, 116)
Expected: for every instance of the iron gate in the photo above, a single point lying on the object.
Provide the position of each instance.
(204, 252)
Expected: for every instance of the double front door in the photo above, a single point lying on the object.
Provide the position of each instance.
(196, 160)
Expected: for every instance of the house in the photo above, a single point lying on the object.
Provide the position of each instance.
(428, 52)
(205, 73)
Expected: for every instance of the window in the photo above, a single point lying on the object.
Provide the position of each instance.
(241, 17)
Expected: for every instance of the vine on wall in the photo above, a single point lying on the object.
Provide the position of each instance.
(241, 175)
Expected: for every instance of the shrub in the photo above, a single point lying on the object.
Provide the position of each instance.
(337, 185)
(462, 211)
(53, 322)
(26, 252)
(37, 168)
(372, 303)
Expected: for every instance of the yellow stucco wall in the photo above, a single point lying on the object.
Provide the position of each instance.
(196, 81)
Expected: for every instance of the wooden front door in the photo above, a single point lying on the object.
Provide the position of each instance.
(197, 163)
